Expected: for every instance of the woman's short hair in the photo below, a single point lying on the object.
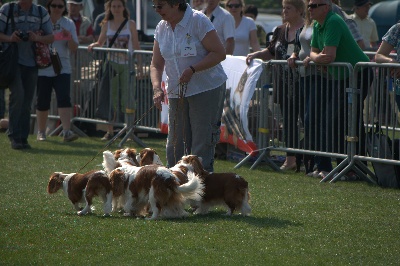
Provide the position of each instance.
(64, 3)
(181, 3)
(298, 4)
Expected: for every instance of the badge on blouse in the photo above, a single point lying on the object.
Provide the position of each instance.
(188, 48)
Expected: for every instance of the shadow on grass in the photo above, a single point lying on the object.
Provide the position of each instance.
(215, 216)
(82, 149)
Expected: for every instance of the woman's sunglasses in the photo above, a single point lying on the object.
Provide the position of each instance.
(234, 5)
(312, 6)
(57, 6)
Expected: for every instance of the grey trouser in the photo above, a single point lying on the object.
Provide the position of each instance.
(194, 126)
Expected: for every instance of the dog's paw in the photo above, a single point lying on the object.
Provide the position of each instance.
(106, 215)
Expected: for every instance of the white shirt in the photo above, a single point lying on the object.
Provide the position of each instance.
(242, 36)
(367, 29)
(61, 47)
(190, 31)
(224, 23)
(123, 41)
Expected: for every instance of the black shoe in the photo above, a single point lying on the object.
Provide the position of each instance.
(25, 144)
(16, 145)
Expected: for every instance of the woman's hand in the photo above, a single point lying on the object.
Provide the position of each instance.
(186, 76)
(306, 61)
(250, 57)
(158, 98)
(292, 61)
(92, 45)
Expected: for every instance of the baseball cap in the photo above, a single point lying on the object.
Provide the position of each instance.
(76, 2)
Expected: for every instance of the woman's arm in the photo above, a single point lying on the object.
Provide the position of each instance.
(156, 71)
(216, 54)
(255, 46)
(102, 38)
(136, 45)
(382, 55)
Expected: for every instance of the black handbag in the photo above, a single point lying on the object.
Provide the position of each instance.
(8, 56)
(104, 109)
(55, 61)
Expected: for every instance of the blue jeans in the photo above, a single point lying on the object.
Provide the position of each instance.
(315, 114)
(194, 126)
(22, 90)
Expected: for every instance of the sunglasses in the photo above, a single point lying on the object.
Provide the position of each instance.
(158, 7)
(57, 6)
(234, 5)
(312, 6)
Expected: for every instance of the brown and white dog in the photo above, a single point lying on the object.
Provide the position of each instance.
(128, 157)
(82, 188)
(157, 186)
(128, 161)
(228, 189)
(148, 156)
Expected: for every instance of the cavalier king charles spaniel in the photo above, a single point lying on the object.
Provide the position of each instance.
(228, 189)
(82, 188)
(128, 161)
(128, 158)
(157, 186)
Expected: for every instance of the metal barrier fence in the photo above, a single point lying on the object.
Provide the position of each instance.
(129, 101)
(318, 110)
(325, 111)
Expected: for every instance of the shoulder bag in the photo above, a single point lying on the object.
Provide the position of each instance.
(55, 61)
(8, 56)
(42, 51)
(104, 110)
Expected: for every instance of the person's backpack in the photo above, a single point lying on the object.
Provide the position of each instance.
(380, 146)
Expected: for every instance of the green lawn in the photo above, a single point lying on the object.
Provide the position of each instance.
(295, 219)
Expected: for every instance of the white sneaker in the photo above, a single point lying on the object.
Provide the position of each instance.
(70, 136)
(313, 174)
(41, 136)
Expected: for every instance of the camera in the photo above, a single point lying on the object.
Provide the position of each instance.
(24, 36)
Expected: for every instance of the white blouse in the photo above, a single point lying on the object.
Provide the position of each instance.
(182, 48)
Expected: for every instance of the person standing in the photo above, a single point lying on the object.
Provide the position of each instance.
(351, 24)
(311, 85)
(187, 45)
(245, 29)
(22, 88)
(251, 11)
(224, 24)
(116, 14)
(333, 42)
(284, 40)
(365, 24)
(65, 40)
(390, 42)
(84, 28)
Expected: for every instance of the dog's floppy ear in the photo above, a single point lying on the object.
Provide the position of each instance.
(117, 154)
(145, 157)
(132, 154)
(197, 165)
(117, 182)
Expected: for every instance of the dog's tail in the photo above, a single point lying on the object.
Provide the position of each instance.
(109, 162)
(193, 189)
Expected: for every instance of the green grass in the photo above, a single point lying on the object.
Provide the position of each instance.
(295, 219)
